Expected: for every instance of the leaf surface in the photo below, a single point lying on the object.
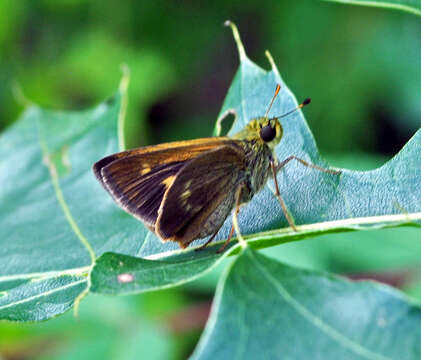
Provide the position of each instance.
(323, 203)
(49, 235)
(265, 307)
(61, 234)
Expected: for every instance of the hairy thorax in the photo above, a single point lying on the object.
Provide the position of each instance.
(258, 157)
(256, 173)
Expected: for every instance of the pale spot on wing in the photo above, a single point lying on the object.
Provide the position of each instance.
(184, 198)
(145, 170)
(168, 181)
(186, 194)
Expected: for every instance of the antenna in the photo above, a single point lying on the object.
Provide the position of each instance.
(278, 87)
(304, 103)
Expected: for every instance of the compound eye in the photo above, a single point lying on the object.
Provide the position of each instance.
(267, 133)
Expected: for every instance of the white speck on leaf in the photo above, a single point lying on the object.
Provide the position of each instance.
(125, 278)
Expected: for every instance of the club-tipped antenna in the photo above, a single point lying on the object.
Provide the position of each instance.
(304, 103)
(278, 87)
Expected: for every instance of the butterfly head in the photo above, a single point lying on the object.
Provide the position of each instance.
(268, 131)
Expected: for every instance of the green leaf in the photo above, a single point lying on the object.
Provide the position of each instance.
(49, 235)
(40, 297)
(56, 221)
(122, 274)
(411, 6)
(355, 200)
(313, 196)
(264, 307)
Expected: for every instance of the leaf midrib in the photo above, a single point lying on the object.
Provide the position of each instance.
(311, 230)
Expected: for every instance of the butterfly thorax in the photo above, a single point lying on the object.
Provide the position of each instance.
(258, 153)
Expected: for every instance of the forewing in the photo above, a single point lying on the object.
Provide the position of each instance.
(139, 193)
(137, 179)
(196, 192)
(161, 154)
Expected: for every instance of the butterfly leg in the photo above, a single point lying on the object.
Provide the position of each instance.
(202, 247)
(277, 167)
(278, 195)
(305, 163)
(222, 248)
(227, 241)
(235, 216)
(233, 227)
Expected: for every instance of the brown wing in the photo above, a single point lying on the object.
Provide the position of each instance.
(162, 153)
(196, 192)
(137, 179)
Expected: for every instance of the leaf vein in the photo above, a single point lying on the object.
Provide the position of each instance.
(60, 197)
(316, 321)
(42, 294)
(147, 237)
(46, 274)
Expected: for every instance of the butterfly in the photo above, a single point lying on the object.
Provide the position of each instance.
(185, 190)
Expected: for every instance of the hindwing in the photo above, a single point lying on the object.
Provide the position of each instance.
(197, 191)
(138, 179)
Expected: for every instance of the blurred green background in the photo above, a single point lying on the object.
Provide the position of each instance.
(360, 66)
